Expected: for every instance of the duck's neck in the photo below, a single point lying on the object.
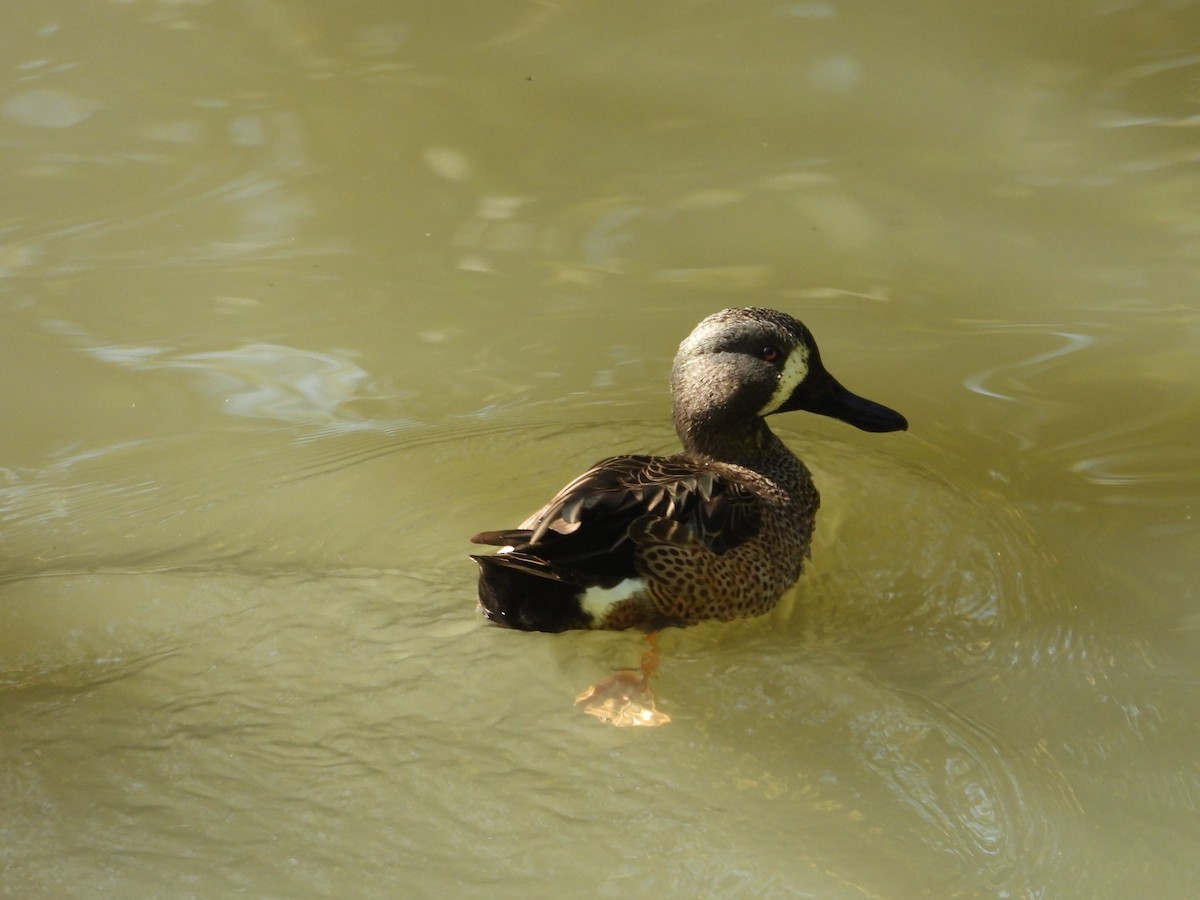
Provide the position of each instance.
(745, 443)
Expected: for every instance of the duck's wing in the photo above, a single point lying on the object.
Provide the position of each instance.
(587, 533)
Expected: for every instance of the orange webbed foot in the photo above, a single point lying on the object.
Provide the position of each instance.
(625, 698)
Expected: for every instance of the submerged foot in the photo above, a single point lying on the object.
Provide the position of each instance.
(625, 698)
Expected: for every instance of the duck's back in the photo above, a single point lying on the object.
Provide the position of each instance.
(644, 541)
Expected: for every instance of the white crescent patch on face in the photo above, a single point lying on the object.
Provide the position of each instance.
(795, 370)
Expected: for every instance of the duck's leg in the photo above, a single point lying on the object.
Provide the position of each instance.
(650, 656)
(625, 698)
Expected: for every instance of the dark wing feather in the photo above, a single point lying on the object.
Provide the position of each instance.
(586, 534)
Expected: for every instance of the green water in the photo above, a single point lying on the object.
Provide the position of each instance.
(299, 296)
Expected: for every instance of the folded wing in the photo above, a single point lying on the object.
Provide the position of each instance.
(587, 534)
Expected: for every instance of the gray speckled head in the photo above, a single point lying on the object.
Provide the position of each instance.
(740, 365)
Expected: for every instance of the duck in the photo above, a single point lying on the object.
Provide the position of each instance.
(718, 531)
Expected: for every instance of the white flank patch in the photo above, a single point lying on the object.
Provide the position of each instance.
(598, 601)
(795, 370)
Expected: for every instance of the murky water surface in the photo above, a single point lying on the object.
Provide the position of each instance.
(297, 296)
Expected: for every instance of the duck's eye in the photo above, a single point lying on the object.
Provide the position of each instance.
(769, 354)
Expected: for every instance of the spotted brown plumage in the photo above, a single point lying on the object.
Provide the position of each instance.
(718, 531)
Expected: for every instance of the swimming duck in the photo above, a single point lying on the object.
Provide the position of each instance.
(718, 531)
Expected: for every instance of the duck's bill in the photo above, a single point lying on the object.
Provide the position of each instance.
(828, 398)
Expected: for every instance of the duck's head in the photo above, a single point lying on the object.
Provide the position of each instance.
(740, 365)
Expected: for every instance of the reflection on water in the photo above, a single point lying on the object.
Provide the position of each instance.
(262, 381)
(48, 108)
(1030, 366)
(297, 299)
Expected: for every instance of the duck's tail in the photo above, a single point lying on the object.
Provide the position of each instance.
(512, 592)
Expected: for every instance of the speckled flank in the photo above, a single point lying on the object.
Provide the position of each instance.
(686, 582)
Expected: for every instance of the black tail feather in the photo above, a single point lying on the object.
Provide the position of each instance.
(518, 599)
